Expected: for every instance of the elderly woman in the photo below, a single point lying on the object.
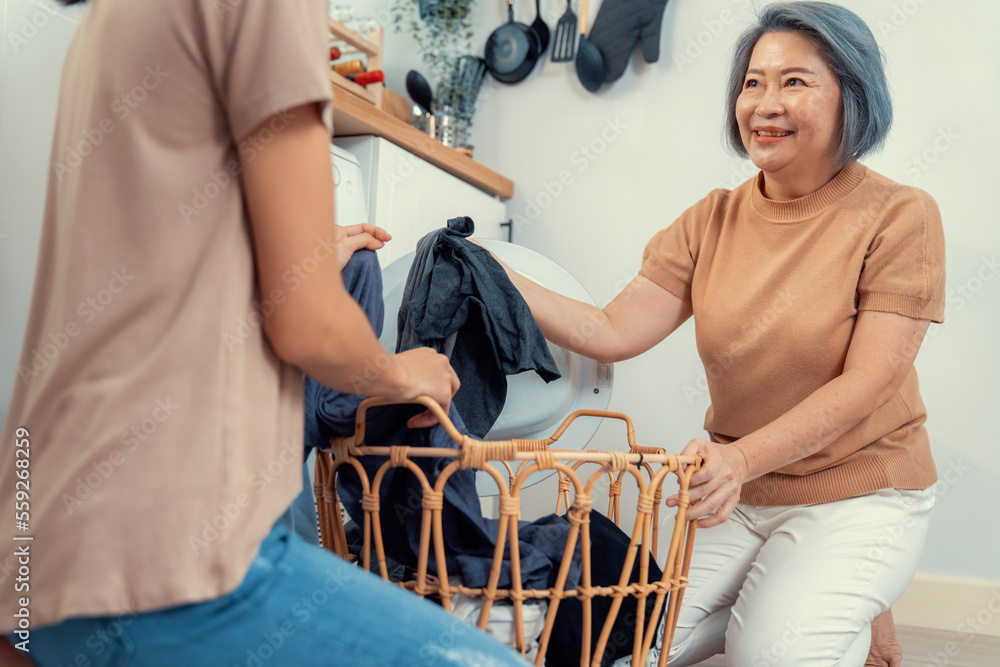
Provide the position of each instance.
(811, 286)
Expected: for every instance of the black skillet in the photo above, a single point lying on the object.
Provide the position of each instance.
(511, 50)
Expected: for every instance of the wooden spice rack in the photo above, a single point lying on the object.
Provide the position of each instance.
(371, 47)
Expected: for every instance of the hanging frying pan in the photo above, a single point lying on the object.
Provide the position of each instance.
(511, 50)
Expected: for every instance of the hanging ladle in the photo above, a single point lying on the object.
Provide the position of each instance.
(541, 29)
(590, 66)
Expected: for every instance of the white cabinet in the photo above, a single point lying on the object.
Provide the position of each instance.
(410, 197)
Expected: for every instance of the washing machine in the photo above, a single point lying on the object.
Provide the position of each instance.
(533, 409)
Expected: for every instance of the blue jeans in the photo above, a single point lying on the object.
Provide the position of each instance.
(298, 605)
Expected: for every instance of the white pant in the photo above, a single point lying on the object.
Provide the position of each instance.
(799, 585)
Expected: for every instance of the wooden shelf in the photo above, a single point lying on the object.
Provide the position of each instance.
(371, 48)
(353, 117)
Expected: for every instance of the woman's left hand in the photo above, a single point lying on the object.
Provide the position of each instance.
(716, 487)
(352, 238)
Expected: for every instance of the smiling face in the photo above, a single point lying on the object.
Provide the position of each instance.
(790, 115)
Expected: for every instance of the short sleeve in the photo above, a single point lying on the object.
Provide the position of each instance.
(904, 268)
(268, 56)
(670, 256)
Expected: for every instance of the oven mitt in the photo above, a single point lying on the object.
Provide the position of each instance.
(622, 23)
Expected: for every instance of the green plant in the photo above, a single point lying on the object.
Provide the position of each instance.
(443, 32)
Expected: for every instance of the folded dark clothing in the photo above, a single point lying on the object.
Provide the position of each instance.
(608, 549)
(469, 538)
(459, 301)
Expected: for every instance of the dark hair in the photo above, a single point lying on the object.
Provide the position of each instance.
(850, 50)
(71, 2)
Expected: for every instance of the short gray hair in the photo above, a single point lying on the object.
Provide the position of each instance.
(850, 50)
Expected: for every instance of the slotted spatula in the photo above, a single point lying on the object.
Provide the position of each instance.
(564, 41)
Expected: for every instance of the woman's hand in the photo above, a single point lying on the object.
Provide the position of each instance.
(425, 372)
(716, 487)
(352, 238)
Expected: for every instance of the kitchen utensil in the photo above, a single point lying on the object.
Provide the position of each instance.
(564, 43)
(467, 81)
(419, 90)
(511, 50)
(590, 66)
(423, 120)
(619, 27)
(540, 29)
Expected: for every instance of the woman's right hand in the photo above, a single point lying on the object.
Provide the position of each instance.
(425, 372)
(715, 488)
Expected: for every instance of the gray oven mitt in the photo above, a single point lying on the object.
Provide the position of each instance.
(622, 23)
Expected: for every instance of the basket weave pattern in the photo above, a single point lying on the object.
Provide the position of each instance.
(647, 466)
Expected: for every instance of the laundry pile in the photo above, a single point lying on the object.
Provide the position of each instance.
(482, 309)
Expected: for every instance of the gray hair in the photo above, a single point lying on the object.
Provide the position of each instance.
(850, 50)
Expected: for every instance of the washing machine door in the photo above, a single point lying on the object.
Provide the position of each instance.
(533, 409)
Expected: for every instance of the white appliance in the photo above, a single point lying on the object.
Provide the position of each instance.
(350, 195)
(410, 197)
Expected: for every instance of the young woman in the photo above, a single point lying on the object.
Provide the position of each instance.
(189, 272)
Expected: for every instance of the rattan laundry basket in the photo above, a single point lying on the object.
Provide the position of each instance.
(647, 466)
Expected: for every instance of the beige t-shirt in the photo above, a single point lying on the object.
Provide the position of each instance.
(165, 436)
(776, 288)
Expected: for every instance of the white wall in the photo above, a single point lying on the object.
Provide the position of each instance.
(35, 38)
(665, 151)
(661, 151)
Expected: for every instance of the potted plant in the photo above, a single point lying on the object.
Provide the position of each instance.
(443, 32)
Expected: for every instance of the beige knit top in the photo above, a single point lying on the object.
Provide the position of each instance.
(776, 287)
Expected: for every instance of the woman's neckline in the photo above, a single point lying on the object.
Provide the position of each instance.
(804, 207)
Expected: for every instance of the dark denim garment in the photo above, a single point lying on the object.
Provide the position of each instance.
(459, 301)
(469, 538)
